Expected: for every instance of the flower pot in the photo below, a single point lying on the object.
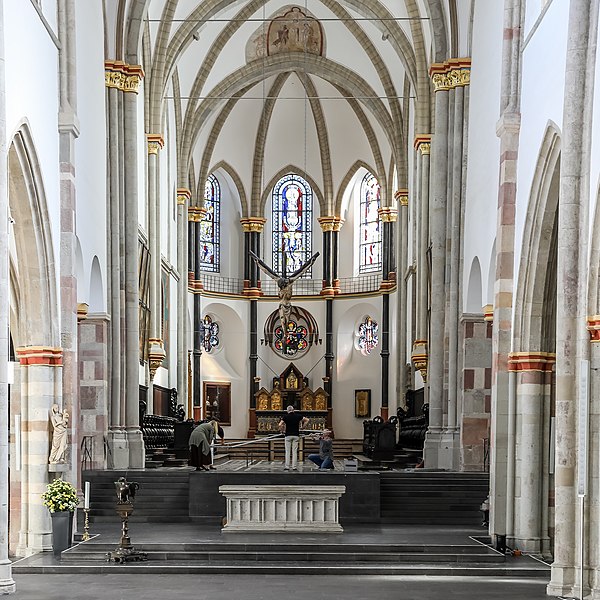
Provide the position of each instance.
(62, 531)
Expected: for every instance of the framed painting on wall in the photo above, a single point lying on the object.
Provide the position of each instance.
(362, 404)
(217, 401)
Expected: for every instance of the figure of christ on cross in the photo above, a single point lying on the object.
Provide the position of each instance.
(285, 283)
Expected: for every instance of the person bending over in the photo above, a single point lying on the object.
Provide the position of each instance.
(200, 441)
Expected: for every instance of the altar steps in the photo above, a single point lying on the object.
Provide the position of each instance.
(294, 558)
(163, 495)
(424, 497)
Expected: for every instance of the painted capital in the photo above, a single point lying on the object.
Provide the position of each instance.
(422, 143)
(531, 361)
(122, 76)
(488, 313)
(39, 356)
(419, 357)
(401, 197)
(451, 74)
(183, 196)
(388, 214)
(156, 355)
(155, 142)
(593, 326)
(253, 224)
(196, 213)
(330, 223)
(82, 311)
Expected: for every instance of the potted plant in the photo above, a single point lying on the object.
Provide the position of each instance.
(61, 499)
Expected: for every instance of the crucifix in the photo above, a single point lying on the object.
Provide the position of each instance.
(285, 283)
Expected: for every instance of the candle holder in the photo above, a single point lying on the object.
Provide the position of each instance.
(86, 525)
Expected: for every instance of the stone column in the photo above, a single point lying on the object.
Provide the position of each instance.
(572, 339)
(459, 75)
(183, 198)
(401, 197)
(125, 439)
(68, 129)
(593, 526)
(156, 349)
(41, 387)
(94, 381)
(476, 384)
(135, 442)
(507, 129)
(533, 378)
(419, 355)
(116, 434)
(437, 228)
(7, 584)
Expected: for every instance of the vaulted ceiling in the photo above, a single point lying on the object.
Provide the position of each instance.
(258, 87)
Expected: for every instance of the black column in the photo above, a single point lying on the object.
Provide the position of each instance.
(334, 254)
(327, 259)
(254, 245)
(247, 260)
(329, 356)
(385, 355)
(386, 249)
(197, 320)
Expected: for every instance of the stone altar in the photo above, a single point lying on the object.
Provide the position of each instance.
(282, 508)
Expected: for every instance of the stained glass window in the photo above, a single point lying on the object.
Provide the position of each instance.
(292, 224)
(295, 341)
(370, 229)
(210, 336)
(210, 227)
(367, 336)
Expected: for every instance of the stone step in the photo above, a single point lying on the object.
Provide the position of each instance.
(434, 570)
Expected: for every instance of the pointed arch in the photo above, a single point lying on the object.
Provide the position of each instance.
(352, 172)
(33, 240)
(474, 302)
(96, 297)
(266, 194)
(537, 269)
(237, 182)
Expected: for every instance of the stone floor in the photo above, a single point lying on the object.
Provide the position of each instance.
(272, 587)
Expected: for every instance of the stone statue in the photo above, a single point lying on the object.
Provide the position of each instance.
(60, 424)
(285, 284)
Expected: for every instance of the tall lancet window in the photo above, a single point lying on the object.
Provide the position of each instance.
(210, 227)
(292, 224)
(369, 228)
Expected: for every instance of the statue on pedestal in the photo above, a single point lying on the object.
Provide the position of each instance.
(60, 424)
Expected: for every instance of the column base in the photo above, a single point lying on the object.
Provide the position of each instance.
(137, 450)
(119, 452)
(127, 449)
(449, 451)
(533, 545)
(31, 542)
(562, 581)
(431, 449)
(7, 583)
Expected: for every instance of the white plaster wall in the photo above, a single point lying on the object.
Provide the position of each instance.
(353, 370)
(90, 147)
(232, 241)
(38, 57)
(229, 360)
(483, 159)
(542, 100)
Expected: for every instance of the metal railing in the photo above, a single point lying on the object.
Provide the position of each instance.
(302, 287)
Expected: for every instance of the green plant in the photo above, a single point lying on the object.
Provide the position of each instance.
(60, 495)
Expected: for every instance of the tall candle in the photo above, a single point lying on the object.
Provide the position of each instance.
(86, 498)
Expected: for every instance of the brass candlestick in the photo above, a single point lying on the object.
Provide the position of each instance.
(86, 525)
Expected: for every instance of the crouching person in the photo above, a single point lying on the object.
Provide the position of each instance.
(324, 460)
